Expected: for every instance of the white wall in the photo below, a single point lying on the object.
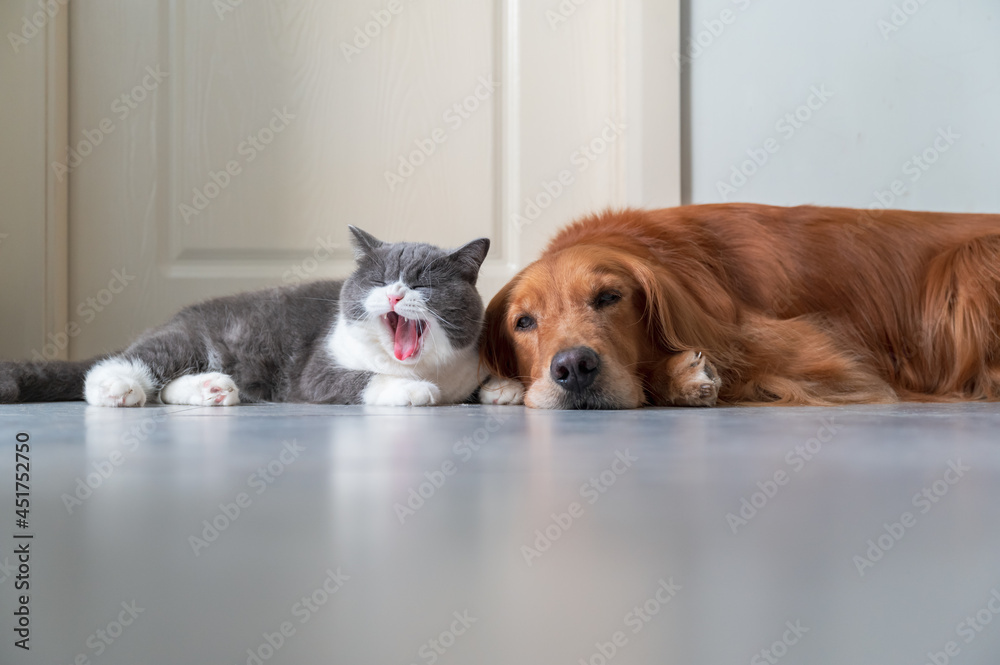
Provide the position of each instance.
(891, 96)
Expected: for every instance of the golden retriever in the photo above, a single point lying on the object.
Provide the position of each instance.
(751, 304)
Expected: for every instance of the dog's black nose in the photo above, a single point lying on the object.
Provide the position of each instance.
(574, 369)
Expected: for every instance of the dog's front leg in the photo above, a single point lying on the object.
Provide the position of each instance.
(685, 379)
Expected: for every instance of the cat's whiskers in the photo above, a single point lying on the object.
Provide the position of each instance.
(444, 323)
(322, 299)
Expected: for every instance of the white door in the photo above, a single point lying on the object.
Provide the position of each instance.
(33, 125)
(223, 146)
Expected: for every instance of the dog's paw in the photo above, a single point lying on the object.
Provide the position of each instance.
(208, 389)
(694, 381)
(118, 383)
(501, 391)
(396, 391)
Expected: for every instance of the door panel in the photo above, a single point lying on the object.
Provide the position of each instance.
(33, 125)
(338, 127)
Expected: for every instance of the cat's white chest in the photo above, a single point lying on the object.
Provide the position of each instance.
(357, 346)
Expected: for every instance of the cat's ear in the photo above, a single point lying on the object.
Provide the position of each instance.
(469, 257)
(364, 243)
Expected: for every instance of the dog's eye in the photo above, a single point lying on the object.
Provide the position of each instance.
(525, 323)
(606, 298)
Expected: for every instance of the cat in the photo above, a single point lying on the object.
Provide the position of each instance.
(402, 330)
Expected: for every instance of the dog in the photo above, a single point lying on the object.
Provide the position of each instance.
(750, 305)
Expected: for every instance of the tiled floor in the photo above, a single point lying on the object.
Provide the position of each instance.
(479, 536)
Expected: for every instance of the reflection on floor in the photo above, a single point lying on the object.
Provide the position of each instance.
(470, 535)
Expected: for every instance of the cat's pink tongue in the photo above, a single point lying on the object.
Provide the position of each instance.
(407, 338)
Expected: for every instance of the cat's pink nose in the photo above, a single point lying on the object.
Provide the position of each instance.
(393, 300)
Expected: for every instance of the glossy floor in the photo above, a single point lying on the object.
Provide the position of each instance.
(480, 536)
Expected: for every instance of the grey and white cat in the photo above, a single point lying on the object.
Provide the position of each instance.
(401, 330)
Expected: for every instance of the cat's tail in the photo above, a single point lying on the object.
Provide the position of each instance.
(43, 381)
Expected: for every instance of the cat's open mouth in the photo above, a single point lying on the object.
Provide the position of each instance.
(407, 334)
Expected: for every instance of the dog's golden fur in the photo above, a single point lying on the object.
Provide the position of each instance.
(804, 305)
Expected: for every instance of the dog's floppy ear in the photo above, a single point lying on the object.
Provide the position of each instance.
(684, 316)
(496, 348)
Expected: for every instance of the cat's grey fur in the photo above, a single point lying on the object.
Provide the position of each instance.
(290, 344)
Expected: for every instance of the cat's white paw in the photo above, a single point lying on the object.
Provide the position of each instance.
(501, 391)
(116, 382)
(395, 391)
(208, 389)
